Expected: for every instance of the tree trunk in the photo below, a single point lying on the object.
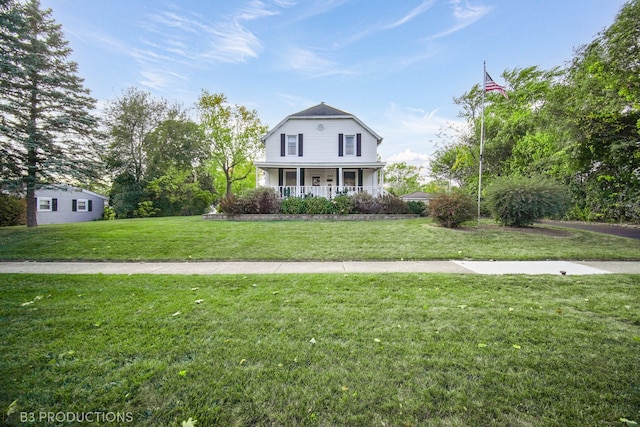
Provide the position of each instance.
(31, 206)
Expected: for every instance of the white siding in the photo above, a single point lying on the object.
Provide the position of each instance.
(65, 213)
(320, 146)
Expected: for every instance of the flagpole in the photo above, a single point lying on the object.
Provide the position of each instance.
(484, 85)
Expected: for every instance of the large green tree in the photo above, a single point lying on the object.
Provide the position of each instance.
(401, 178)
(130, 119)
(233, 133)
(47, 130)
(602, 115)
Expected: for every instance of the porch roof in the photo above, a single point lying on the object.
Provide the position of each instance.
(321, 165)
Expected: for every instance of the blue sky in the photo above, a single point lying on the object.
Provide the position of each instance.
(395, 64)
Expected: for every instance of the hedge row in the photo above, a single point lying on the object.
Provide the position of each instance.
(263, 200)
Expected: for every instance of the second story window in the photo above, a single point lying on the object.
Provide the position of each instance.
(292, 145)
(349, 145)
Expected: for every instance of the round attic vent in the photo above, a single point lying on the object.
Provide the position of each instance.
(320, 127)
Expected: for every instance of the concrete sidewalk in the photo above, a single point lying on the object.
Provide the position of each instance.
(242, 267)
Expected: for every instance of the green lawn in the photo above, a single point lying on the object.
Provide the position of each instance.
(323, 350)
(192, 238)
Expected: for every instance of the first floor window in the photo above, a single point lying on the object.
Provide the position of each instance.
(45, 204)
(349, 179)
(81, 205)
(290, 178)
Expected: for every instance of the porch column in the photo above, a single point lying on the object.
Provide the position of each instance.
(340, 183)
(298, 182)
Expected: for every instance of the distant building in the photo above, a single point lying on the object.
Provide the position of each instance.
(419, 196)
(64, 204)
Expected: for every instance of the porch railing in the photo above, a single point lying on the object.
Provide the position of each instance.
(326, 192)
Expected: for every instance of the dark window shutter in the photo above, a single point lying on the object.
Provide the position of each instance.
(299, 145)
(359, 176)
(280, 177)
(282, 145)
(74, 205)
(54, 205)
(340, 145)
(359, 144)
(90, 202)
(301, 175)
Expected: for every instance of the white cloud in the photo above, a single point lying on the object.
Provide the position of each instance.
(464, 14)
(312, 64)
(411, 134)
(423, 7)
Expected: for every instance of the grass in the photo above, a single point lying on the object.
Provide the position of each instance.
(396, 349)
(180, 238)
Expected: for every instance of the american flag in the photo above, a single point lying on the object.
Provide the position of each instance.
(490, 85)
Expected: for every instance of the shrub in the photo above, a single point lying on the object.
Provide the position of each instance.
(452, 209)
(229, 205)
(520, 201)
(109, 214)
(260, 200)
(415, 207)
(342, 205)
(392, 204)
(145, 209)
(365, 203)
(293, 206)
(13, 210)
(317, 205)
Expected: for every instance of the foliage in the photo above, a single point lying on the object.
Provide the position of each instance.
(230, 206)
(293, 206)
(131, 119)
(145, 209)
(365, 203)
(125, 195)
(392, 204)
(602, 116)
(233, 134)
(47, 131)
(342, 205)
(418, 208)
(109, 214)
(452, 209)
(12, 210)
(178, 193)
(261, 200)
(520, 201)
(579, 125)
(402, 178)
(318, 206)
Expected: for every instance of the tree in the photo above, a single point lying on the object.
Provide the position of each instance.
(602, 113)
(130, 119)
(47, 131)
(401, 178)
(233, 133)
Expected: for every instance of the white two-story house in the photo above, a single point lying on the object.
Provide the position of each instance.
(322, 151)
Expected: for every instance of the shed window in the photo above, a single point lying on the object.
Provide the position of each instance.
(349, 145)
(292, 145)
(45, 204)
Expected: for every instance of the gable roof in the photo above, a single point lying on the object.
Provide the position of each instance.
(321, 109)
(325, 111)
(419, 195)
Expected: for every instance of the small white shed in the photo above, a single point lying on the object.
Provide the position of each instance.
(65, 203)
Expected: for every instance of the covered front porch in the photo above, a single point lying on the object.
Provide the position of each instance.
(328, 182)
